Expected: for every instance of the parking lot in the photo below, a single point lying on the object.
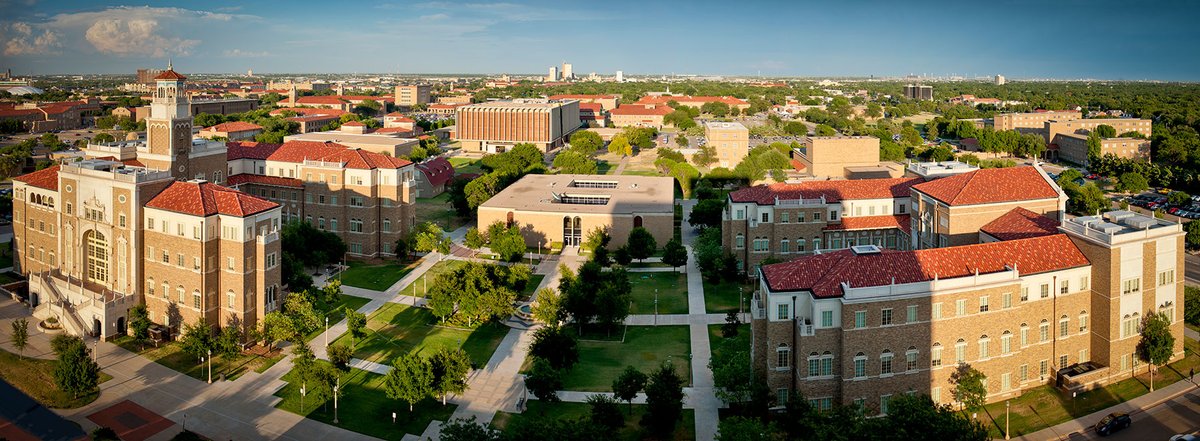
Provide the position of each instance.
(1159, 200)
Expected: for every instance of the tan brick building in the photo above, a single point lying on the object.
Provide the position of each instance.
(232, 131)
(863, 325)
(497, 126)
(785, 221)
(1056, 128)
(606, 102)
(950, 211)
(830, 156)
(635, 115)
(565, 208)
(693, 101)
(1073, 147)
(412, 95)
(731, 141)
(1032, 122)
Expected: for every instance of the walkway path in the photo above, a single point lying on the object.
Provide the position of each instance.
(702, 396)
(621, 165)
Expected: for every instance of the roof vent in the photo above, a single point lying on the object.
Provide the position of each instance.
(860, 250)
(1139, 222)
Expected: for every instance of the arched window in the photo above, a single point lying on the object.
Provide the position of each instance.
(637, 221)
(960, 351)
(97, 256)
(885, 362)
(860, 365)
(739, 241)
(150, 287)
(231, 298)
(935, 355)
(910, 359)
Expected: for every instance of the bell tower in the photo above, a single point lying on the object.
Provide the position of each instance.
(169, 127)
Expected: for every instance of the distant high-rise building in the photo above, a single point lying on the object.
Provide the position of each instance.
(412, 95)
(620, 76)
(917, 92)
(999, 80)
(146, 76)
(567, 74)
(249, 72)
(553, 75)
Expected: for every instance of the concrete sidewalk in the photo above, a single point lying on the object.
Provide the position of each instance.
(1084, 424)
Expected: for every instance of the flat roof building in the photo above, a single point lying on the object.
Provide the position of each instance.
(830, 156)
(355, 135)
(497, 126)
(918, 92)
(932, 170)
(731, 141)
(564, 208)
(412, 95)
(1072, 147)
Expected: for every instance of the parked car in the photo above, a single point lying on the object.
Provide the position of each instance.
(1113, 423)
(1185, 437)
(1092, 176)
(1164, 190)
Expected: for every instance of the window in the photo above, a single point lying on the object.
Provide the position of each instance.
(814, 365)
(149, 287)
(1043, 369)
(960, 351)
(1129, 325)
(860, 365)
(781, 395)
(387, 225)
(739, 241)
(912, 314)
(826, 319)
(885, 317)
(150, 224)
(179, 292)
(883, 404)
(783, 217)
(910, 359)
(761, 245)
(1024, 335)
(97, 256)
(1064, 287)
(983, 304)
(800, 245)
(333, 225)
(983, 347)
(1168, 310)
(1023, 372)
(781, 312)
(179, 259)
(860, 319)
(783, 357)
(1083, 283)
(885, 363)
(229, 263)
(195, 232)
(817, 216)
(1045, 290)
(1006, 343)
(1024, 293)
(1131, 286)
(356, 225)
(785, 247)
(196, 262)
(960, 307)
(1166, 277)
(827, 364)
(766, 218)
(1062, 362)
(1005, 382)
(1063, 324)
(739, 214)
(936, 395)
(1125, 362)
(937, 311)
(121, 220)
(356, 201)
(196, 299)
(1044, 331)
(1083, 355)
(816, 244)
(935, 355)
(1007, 299)
(230, 298)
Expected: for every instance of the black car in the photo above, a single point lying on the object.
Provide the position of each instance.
(1112, 423)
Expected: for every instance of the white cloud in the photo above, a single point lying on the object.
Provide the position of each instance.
(135, 37)
(23, 40)
(122, 31)
(238, 53)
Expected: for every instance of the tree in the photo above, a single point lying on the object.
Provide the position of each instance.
(739, 428)
(664, 401)
(467, 430)
(573, 162)
(622, 256)
(506, 242)
(1087, 200)
(1132, 182)
(101, 138)
(730, 328)
(229, 342)
(874, 110)
(410, 379)
(139, 322)
(428, 237)
(555, 346)
(197, 339)
(918, 417)
(1106, 131)
(682, 140)
(707, 213)
(340, 356)
(20, 335)
(596, 238)
(356, 323)
(449, 368)
(474, 239)
(1068, 175)
(732, 374)
(303, 358)
(1157, 344)
(627, 385)
(586, 141)
(1093, 147)
(332, 291)
(968, 386)
(277, 327)
(544, 381)
(604, 411)
(1193, 236)
(674, 253)
(620, 146)
(1178, 198)
(824, 130)
(75, 371)
(641, 243)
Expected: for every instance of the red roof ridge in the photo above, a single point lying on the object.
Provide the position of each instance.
(46, 178)
(170, 74)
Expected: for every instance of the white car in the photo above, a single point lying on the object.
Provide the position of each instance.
(1184, 438)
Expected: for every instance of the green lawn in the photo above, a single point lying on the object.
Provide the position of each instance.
(627, 171)
(678, 230)
(440, 211)
(35, 377)
(336, 311)
(685, 430)
(171, 355)
(9, 277)
(1046, 406)
(417, 288)
(604, 167)
(466, 165)
(396, 329)
(716, 338)
(364, 407)
(645, 347)
(376, 277)
(672, 293)
(723, 297)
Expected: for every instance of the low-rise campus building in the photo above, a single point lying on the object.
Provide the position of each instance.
(497, 126)
(836, 156)
(950, 211)
(565, 208)
(731, 141)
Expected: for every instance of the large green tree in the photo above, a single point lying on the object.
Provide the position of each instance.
(641, 243)
(544, 381)
(627, 385)
(664, 401)
(968, 386)
(449, 368)
(555, 346)
(410, 379)
(75, 372)
(20, 335)
(1157, 345)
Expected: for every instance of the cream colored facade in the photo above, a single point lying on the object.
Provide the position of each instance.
(454, 99)
(357, 137)
(1054, 129)
(731, 140)
(565, 208)
(412, 95)
(829, 156)
(1073, 147)
(1031, 120)
(497, 126)
(1022, 330)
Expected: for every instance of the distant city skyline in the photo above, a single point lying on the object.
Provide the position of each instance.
(1104, 39)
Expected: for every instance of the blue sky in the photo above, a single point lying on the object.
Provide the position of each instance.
(1130, 39)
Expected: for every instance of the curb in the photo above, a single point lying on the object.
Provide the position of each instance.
(1141, 409)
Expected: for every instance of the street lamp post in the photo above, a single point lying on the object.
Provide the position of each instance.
(655, 306)
(335, 400)
(210, 366)
(326, 331)
(303, 392)
(1006, 403)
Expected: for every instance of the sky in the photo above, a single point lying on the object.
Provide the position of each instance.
(1065, 39)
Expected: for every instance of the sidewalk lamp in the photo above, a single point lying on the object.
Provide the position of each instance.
(210, 366)
(303, 392)
(1006, 403)
(393, 417)
(655, 306)
(335, 399)
(326, 331)
(1073, 394)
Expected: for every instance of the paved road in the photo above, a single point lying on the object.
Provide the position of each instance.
(1180, 415)
(1191, 269)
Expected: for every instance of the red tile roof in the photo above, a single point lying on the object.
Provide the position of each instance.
(134, 162)
(298, 151)
(310, 111)
(277, 181)
(8, 111)
(234, 126)
(989, 185)
(353, 124)
(1020, 223)
(249, 150)
(692, 99)
(832, 190)
(900, 221)
(170, 74)
(823, 274)
(636, 109)
(798, 166)
(593, 107)
(438, 171)
(322, 99)
(46, 178)
(207, 199)
(582, 97)
(392, 130)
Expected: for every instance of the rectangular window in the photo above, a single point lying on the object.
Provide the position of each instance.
(814, 366)
(195, 231)
(1005, 344)
(1166, 277)
(983, 304)
(935, 356)
(1131, 286)
(860, 319)
(785, 246)
(1045, 290)
(860, 367)
(739, 214)
(1064, 287)
(960, 353)
(765, 218)
(121, 220)
(783, 357)
(179, 259)
(1083, 323)
(885, 364)
(1125, 362)
(885, 317)
(817, 216)
(1024, 336)
(783, 217)
(230, 262)
(1083, 283)
(1024, 372)
(960, 307)
(912, 314)
(827, 365)
(1083, 355)
(1062, 362)
(936, 395)
(1024, 293)
(1005, 382)
(883, 404)
(1044, 332)
(196, 300)
(1007, 298)
(937, 311)
(910, 359)
(826, 319)
(782, 312)
(1043, 369)
(983, 348)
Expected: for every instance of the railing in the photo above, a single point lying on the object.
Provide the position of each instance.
(99, 294)
(799, 202)
(67, 308)
(806, 327)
